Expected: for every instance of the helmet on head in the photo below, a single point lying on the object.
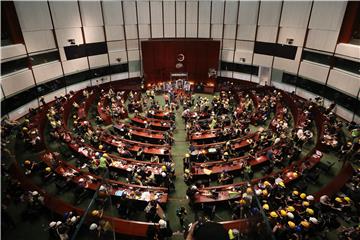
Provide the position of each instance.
(310, 211)
(291, 224)
(274, 214)
(305, 224)
(303, 196)
(290, 208)
(283, 212)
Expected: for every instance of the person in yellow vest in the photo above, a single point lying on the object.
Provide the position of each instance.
(213, 123)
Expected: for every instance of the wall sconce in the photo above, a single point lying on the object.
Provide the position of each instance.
(118, 60)
(71, 41)
(242, 59)
(290, 41)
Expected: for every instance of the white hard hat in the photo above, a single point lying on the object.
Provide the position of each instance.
(34, 193)
(58, 223)
(73, 219)
(313, 220)
(52, 224)
(310, 198)
(93, 226)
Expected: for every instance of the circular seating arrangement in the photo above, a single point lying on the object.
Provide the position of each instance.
(105, 156)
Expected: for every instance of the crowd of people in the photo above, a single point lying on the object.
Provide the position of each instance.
(286, 210)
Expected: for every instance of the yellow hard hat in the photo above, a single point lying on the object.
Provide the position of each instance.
(105, 155)
(338, 200)
(291, 224)
(242, 202)
(290, 208)
(282, 184)
(347, 199)
(283, 212)
(48, 169)
(295, 175)
(249, 190)
(305, 203)
(310, 211)
(27, 162)
(101, 147)
(265, 192)
(266, 183)
(305, 224)
(187, 171)
(303, 196)
(266, 206)
(274, 214)
(163, 168)
(187, 155)
(295, 192)
(95, 213)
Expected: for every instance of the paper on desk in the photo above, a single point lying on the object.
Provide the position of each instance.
(207, 171)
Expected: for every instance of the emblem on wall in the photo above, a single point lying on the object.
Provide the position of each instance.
(179, 65)
(180, 57)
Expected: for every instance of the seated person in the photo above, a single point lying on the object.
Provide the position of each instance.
(225, 178)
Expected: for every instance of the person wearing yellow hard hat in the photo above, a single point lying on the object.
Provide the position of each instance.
(266, 207)
(47, 173)
(265, 192)
(302, 195)
(97, 213)
(305, 224)
(305, 203)
(291, 224)
(295, 192)
(273, 214)
(267, 183)
(290, 208)
(29, 166)
(283, 213)
(338, 200)
(309, 211)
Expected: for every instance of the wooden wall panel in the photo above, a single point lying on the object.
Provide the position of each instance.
(160, 58)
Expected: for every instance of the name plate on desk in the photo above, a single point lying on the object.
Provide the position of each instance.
(178, 75)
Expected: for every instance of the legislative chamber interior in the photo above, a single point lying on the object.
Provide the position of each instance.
(180, 120)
